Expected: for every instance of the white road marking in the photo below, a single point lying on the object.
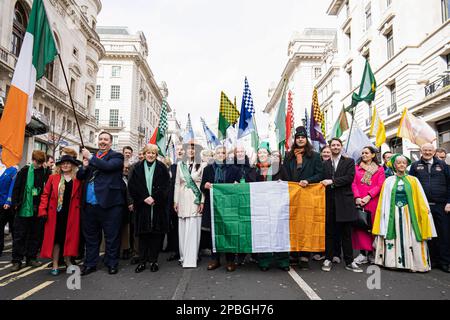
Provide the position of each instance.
(14, 273)
(22, 276)
(34, 290)
(5, 267)
(182, 285)
(312, 295)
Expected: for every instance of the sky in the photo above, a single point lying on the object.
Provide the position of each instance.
(202, 47)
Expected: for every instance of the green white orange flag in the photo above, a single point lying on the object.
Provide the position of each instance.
(416, 130)
(341, 125)
(268, 217)
(159, 136)
(38, 50)
(377, 129)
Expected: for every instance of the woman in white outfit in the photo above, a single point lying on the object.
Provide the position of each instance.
(188, 203)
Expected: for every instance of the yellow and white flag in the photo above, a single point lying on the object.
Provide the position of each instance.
(416, 130)
(377, 129)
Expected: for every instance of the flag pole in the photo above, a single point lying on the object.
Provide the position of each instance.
(351, 128)
(65, 77)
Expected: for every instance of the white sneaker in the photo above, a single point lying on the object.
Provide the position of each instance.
(361, 259)
(318, 257)
(336, 260)
(354, 268)
(327, 265)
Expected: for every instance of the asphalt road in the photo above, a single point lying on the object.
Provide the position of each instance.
(247, 283)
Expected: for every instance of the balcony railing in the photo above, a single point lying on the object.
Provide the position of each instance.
(437, 85)
(141, 130)
(8, 58)
(111, 124)
(392, 109)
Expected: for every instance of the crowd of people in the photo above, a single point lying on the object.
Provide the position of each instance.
(69, 211)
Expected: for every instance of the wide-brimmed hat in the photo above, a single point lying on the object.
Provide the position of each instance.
(67, 158)
(193, 142)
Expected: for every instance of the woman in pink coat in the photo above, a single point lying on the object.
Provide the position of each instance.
(369, 179)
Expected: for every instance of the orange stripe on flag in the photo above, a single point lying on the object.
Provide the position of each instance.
(12, 126)
(307, 218)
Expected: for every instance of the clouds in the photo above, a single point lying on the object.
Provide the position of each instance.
(201, 47)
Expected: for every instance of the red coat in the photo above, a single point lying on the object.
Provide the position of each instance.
(48, 206)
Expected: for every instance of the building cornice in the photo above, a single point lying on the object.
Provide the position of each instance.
(334, 7)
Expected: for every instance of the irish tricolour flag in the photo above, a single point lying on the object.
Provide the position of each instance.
(38, 50)
(268, 217)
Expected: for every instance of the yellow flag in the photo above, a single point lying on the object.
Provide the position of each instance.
(377, 129)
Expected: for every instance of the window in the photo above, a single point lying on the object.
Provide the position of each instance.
(445, 4)
(350, 80)
(20, 22)
(98, 92)
(41, 108)
(115, 92)
(47, 112)
(97, 115)
(49, 71)
(53, 117)
(63, 128)
(447, 58)
(74, 128)
(349, 39)
(390, 45)
(91, 137)
(69, 126)
(317, 72)
(73, 85)
(347, 9)
(89, 104)
(114, 118)
(368, 14)
(116, 71)
(75, 52)
(393, 100)
(115, 142)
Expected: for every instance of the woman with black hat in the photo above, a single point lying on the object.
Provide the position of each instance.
(60, 207)
(304, 166)
(188, 203)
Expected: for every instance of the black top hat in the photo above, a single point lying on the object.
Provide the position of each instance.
(67, 158)
(301, 132)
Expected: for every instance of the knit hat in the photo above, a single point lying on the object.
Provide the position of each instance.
(391, 162)
(265, 145)
(301, 132)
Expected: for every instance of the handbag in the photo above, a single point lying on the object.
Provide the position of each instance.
(363, 219)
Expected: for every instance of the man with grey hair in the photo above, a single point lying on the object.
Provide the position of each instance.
(434, 175)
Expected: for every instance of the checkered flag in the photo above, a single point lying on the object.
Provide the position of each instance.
(247, 112)
(163, 125)
(228, 115)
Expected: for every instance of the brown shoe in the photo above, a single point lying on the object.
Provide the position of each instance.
(213, 265)
(231, 267)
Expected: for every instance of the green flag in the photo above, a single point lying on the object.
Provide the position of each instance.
(367, 89)
(255, 137)
(280, 121)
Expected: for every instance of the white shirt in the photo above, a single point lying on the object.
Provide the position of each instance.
(335, 161)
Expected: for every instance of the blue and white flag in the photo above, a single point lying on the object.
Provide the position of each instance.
(356, 142)
(210, 137)
(247, 111)
(189, 132)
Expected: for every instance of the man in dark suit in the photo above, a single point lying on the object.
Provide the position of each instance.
(339, 174)
(103, 203)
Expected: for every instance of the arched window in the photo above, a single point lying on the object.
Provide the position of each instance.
(20, 24)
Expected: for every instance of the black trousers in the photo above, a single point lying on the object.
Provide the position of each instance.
(95, 221)
(330, 237)
(6, 217)
(440, 246)
(150, 247)
(172, 236)
(26, 238)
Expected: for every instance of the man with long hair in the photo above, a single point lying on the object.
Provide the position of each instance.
(304, 166)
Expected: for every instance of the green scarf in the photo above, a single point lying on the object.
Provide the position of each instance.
(149, 173)
(391, 233)
(191, 184)
(26, 210)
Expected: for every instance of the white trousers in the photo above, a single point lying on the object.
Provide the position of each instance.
(189, 231)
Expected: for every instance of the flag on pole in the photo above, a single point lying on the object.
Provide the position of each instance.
(210, 137)
(228, 115)
(159, 136)
(38, 50)
(316, 121)
(307, 123)
(377, 129)
(357, 141)
(289, 122)
(280, 121)
(368, 87)
(189, 132)
(255, 136)
(416, 130)
(341, 125)
(247, 112)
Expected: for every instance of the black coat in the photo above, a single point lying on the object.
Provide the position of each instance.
(311, 170)
(108, 184)
(40, 179)
(340, 194)
(138, 191)
(435, 184)
(232, 175)
(247, 172)
(280, 175)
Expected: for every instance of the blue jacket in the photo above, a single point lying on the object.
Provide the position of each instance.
(7, 185)
(108, 183)
(435, 184)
